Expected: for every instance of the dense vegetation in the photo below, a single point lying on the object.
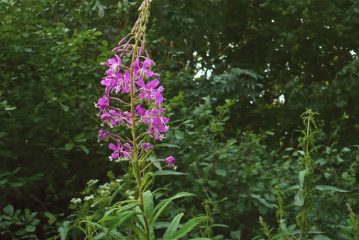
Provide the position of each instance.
(239, 78)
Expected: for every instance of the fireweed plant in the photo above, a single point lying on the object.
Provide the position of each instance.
(132, 114)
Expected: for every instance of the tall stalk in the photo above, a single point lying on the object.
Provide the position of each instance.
(139, 33)
(305, 196)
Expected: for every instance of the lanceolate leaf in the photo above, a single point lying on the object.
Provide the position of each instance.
(148, 204)
(164, 203)
(329, 188)
(173, 225)
(186, 228)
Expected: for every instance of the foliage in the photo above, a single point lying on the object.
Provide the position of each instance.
(238, 74)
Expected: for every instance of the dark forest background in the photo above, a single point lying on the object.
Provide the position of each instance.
(238, 75)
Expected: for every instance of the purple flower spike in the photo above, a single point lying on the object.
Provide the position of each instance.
(147, 98)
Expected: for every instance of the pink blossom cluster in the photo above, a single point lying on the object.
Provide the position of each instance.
(113, 106)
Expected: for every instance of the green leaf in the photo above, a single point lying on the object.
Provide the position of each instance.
(329, 188)
(298, 200)
(186, 228)
(80, 138)
(51, 217)
(168, 172)
(172, 227)
(301, 177)
(167, 145)
(140, 233)
(69, 146)
(10, 108)
(179, 135)
(148, 204)
(221, 172)
(9, 210)
(220, 225)
(30, 228)
(84, 149)
(114, 234)
(119, 219)
(157, 165)
(236, 234)
(63, 230)
(164, 203)
(64, 107)
(321, 237)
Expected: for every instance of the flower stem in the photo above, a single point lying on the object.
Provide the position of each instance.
(136, 161)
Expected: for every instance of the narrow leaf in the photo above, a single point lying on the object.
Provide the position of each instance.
(186, 228)
(164, 203)
(148, 204)
(172, 227)
(329, 188)
(168, 172)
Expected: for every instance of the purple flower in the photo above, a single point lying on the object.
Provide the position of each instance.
(170, 161)
(147, 146)
(103, 103)
(105, 117)
(140, 110)
(126, 82)
(120, 151)
(115, 117)
(103, 135)
(111, 82)
(149, 91)
(143, 69)
(113, 64)
(156, 122)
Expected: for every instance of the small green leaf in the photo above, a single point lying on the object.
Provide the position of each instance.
(179, 135)
(298, 200)
(236, 234)
(9, 210)
(84, 149)
(51, 218)
(80, 138)
(10, 108)
(301, 177)
(69, 146)
(30, 228)
(64, 107)
(221, 172)
(157, 165)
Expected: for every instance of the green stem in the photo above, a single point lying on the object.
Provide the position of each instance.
(136, 161)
